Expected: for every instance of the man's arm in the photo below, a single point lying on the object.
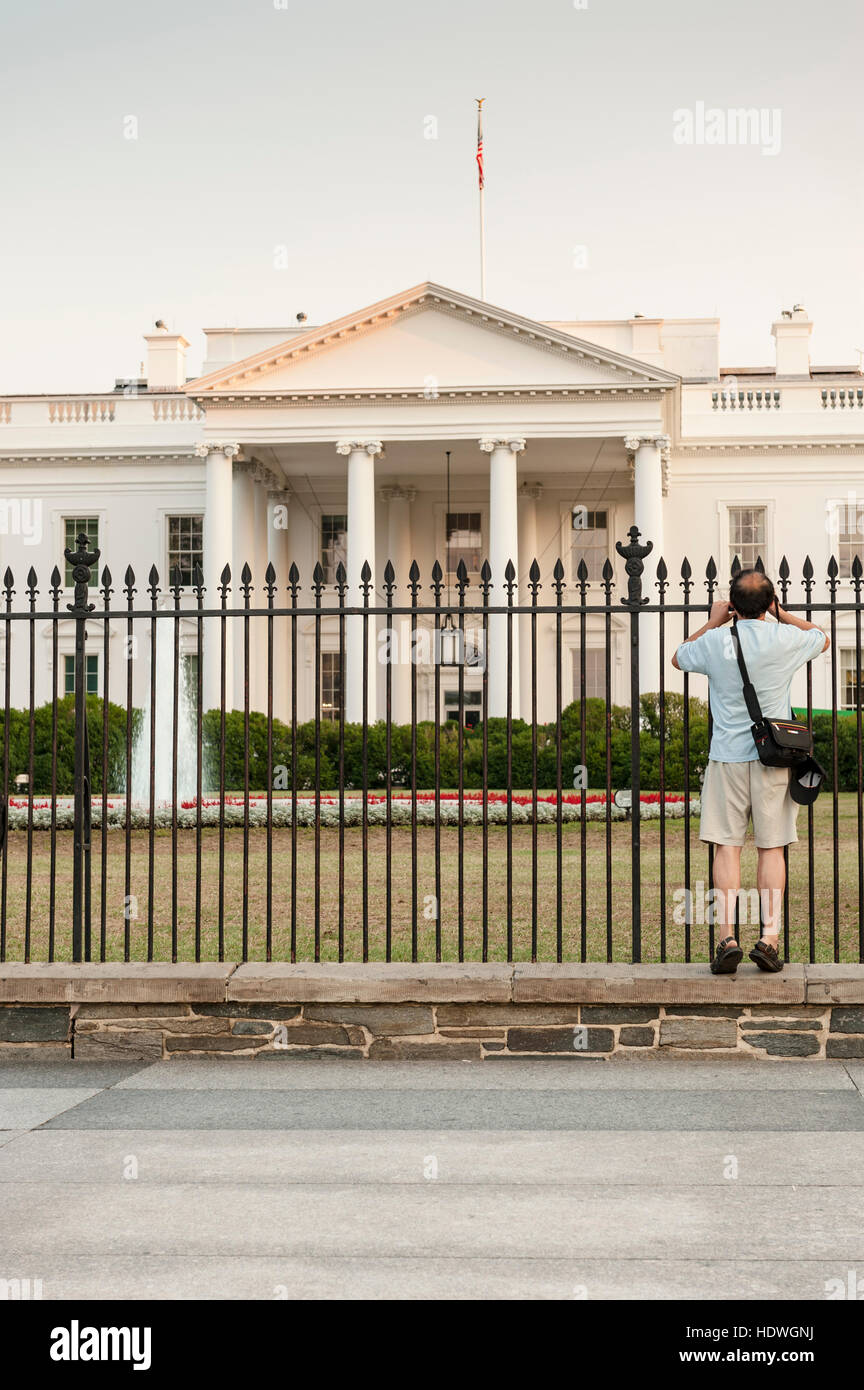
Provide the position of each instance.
(793, 621)
(721, 612)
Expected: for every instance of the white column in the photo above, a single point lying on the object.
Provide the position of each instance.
(279, 555)
(650, 452)
(244, 553)
(361, 455)
(258, 639)
(503, 547)
(528, 498)
(400, 554)
(218, 551)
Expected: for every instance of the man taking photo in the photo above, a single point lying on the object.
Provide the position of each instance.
(736, 784)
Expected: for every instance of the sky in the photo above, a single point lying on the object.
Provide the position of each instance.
(239, 161)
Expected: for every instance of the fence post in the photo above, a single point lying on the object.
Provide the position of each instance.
(81, 561)
(634, 554)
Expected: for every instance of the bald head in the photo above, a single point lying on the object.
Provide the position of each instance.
(751, 593)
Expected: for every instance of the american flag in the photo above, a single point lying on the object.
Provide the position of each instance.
(480, 141)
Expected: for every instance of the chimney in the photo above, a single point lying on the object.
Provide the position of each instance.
(166, 359)
(791, 334)
(645, 339)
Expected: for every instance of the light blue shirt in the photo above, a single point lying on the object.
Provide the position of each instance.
(773, 653)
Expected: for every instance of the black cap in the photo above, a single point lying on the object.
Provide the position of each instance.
(806, 781)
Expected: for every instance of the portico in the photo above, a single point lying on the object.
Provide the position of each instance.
(350, 424)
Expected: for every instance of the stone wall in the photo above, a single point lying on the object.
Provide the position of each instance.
(461, 1013)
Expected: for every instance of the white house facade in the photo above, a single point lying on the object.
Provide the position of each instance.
(328, 444)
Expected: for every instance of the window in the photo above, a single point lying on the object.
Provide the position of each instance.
(849, 692)
(472, 703)
(464, 541)
(334, 545)
(747, 526)
(850, 536)
(185, 547)
(72, 527)
(91, 675)
(595, 673)
(590, 543)
(189, 674)
(331, 685)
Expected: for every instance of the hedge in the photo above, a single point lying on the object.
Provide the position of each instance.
(595, 749)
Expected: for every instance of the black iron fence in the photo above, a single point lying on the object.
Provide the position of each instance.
(572, 836)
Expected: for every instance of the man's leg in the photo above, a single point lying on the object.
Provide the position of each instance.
(727, 881)
(770, 880)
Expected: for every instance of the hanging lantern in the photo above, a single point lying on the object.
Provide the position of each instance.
(450, 638)
(451, 643)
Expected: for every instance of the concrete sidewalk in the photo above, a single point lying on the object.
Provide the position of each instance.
(514, 1179)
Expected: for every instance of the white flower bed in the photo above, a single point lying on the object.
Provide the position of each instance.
(523, 812)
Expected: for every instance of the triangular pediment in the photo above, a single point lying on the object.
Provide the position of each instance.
(429, 339)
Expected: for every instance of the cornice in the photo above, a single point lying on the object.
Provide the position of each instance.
(27, 460)
(471, 395)
(813, 450)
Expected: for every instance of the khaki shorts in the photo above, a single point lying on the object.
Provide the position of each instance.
(732, 792)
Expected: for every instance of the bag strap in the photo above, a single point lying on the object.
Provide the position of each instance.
(750, 697)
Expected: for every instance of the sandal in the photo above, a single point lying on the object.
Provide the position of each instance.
(766, 957)
(727, 959)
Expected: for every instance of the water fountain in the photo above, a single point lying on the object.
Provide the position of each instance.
(186, 745)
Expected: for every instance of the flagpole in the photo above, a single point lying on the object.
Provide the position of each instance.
(480, 101)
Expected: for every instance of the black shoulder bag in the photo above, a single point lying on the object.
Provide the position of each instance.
(779, 742)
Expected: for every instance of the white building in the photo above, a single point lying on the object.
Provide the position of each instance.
(314, 444)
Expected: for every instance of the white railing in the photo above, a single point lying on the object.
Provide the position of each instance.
(80, 412)
(176, 408)
(844, 399)
(745, 400)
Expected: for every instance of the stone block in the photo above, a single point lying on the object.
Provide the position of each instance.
(113, 982)
(381, 1019)
(279, 1013)
(488, 1015)
(637, 1037)
(698, 1032)
(171, 1023)
(118, 1045)
(22, 1024)
(835, 984)
(784, 1044)
(415, 1050)
(617, 983)
(781, 1025)
(314, 1034)
(703, 1011)
(33, 1052)
(205, 1042)
(560, 1040)
(790, 1011)
(128, 1012)
(847, 1020)
(497, 1034)
(251, 1027)
(619, 1013)
(848, 1046)
(380, 983)
(320, 1054)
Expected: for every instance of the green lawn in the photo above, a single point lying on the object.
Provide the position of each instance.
(595, 881)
